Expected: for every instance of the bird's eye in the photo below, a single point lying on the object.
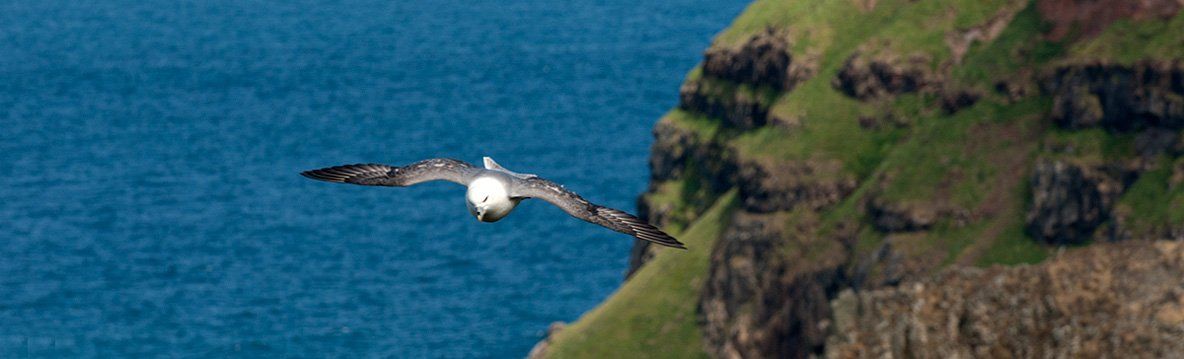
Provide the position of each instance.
(486, 199)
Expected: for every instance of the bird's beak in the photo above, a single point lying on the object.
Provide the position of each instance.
(480, 214)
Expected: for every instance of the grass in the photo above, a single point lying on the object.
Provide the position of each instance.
(655, 311)
(1089, 146)
(1152, 202)
(702, 126)
(1013, 247)
(1127, 41)
(994, 61)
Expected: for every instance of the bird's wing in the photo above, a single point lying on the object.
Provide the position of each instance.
(573, 204)
(384, 175)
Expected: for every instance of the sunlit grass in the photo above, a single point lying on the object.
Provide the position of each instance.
(655, 311)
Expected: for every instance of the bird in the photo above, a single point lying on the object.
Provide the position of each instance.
(494, 191)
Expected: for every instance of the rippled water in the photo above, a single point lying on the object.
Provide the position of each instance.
(149, 197)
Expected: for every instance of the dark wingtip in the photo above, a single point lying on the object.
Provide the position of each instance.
(657, 236)
(674, 243)
(328, 174)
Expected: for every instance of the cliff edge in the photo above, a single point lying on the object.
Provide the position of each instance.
(915, 178)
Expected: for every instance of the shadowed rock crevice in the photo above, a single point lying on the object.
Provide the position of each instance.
(1118, 97)
(738, 107)
(1069, 201)
(872, 77)
(704, 166)
(765, 295)
(764, 60)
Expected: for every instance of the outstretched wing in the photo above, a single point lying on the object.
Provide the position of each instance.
(384, 175)
(578, 207)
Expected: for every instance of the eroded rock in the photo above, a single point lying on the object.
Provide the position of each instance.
(680, 154)
(762, 298)
(954, 100)
(1118, 96)
(770, 185)
(1111, 300)
(743, 110)
(867, 77)
(889, 217)
(764, 60)
(1069, 201)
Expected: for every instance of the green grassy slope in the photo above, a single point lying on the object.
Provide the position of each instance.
(653, 312)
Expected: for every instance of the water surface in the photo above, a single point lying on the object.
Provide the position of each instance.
(149, 197)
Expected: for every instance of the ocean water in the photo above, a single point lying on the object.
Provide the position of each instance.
(150, 202)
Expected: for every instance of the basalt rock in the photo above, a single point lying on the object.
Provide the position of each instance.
(743, 110)
(770, 185)
(954, 100)
(679, 153)
(1119, 97)
(889, 217)
(866, 78)
(764, 60)
(763, 298)
(1110, 300)
(1069, 201)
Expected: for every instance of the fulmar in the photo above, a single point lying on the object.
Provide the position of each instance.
(494, 191)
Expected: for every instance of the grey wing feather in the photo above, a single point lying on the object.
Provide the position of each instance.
(384, 175)
(576, 206)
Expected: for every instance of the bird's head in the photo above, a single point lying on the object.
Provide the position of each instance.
(479, 207)
(488, 200)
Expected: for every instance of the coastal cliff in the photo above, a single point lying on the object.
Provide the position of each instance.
(915, 178)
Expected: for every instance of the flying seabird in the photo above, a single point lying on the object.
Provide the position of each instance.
(493, 192)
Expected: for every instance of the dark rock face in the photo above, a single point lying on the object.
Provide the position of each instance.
(759, 303)
(738, 109)
(1109, 300)
(762, 61)
(892, 217)
(769, 186)
(1014, 90)
(1119, 97)
(955, 100)
(1069, 201)
(679, 153)
(870, 78)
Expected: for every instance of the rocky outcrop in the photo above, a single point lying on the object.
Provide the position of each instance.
(763, 60)
(767, 289)
(1112, 300)
(767, 185)
(889, 217)
(740, 109)
(739, 84)
(681, 154)
(954, 100)
(1119, 97)
(1069, 201)
(871, 77)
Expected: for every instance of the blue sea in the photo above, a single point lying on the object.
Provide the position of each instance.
(150, 202)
